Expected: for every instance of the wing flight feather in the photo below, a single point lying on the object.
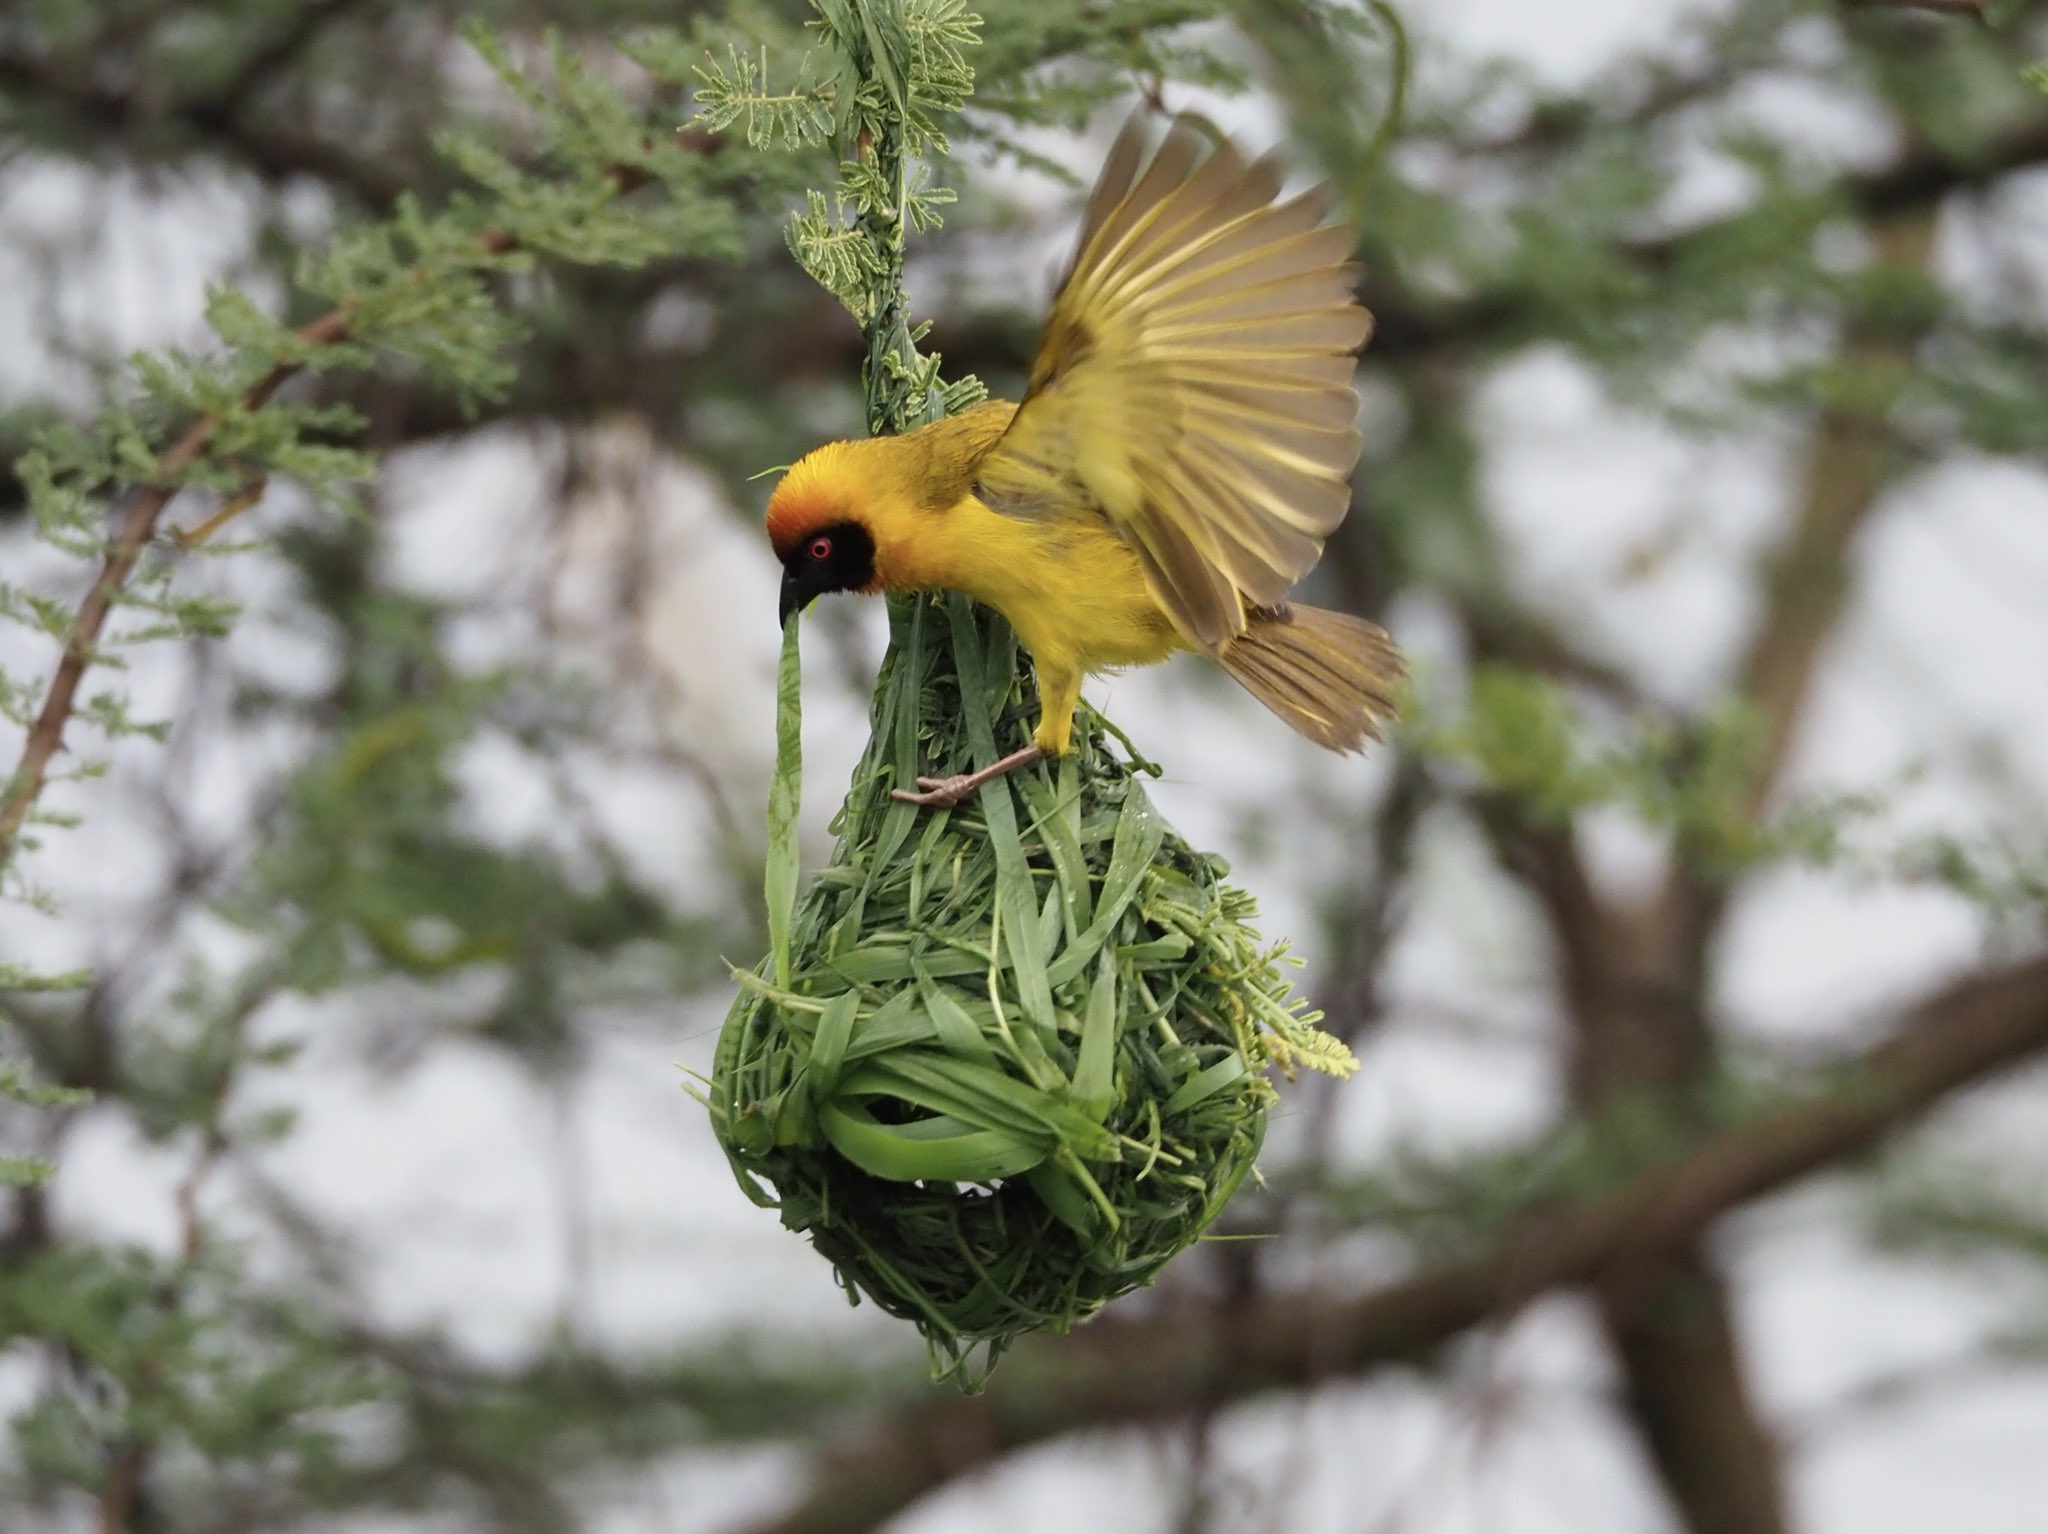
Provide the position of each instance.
(1194, 384)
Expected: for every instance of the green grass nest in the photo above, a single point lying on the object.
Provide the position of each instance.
(1007, 1059)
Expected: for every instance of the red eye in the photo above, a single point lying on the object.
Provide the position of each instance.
(821, 549)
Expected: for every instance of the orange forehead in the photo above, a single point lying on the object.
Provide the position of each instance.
(803, 503)
(789, 518)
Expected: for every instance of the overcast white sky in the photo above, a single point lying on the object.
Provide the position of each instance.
(449, 1175)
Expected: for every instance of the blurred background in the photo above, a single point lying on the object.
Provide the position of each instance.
(1690, 933)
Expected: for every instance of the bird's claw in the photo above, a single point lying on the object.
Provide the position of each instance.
(944, 793)
(939, 793)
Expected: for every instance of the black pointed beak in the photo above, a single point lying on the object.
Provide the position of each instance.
(792, 599)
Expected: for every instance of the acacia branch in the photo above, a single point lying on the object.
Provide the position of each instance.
(1633, 980)
(267, 59)
(146, 505)
(993, 342)
(123, 1490)
(1640, 1013)
(1808, 578)
(46, 735)
(1133, 1372)
(138, 524)
(1633, 983)
(1910, 184)
(273, 151)
(1974, 9)
(1634, 992)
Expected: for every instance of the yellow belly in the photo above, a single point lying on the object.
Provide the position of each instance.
(1072, 589)
(1076, 594)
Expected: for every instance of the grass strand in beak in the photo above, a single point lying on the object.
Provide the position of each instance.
(785, 796)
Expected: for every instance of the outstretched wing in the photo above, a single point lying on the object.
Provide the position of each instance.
(1194, 384)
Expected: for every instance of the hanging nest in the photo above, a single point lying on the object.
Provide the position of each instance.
(1013, 1056)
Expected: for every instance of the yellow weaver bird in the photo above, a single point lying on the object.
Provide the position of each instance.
(1184, 447)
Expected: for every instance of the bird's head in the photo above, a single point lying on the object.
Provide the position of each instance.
(820, 533)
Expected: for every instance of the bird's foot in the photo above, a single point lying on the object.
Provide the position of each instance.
(938, 793)
(944, 793)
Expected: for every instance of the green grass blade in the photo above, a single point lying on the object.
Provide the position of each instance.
(935, 1150)
(1057, 1190)
(1205, 1084)
(828, 1048)
(785, 797)
(1014, 899)
(1139, 835)
(1094, 1072)
(957, 1031)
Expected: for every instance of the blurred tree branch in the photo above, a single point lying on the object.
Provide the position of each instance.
(263, 63)
(1407, 327)
(222, 128)
(1534, 225)
(1120, 1372)
(1635, 977)
(1976, 10)
(1918, 178)
(1807, 583)
(45, 737)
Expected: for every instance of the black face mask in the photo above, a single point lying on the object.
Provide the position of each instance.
(836, 558)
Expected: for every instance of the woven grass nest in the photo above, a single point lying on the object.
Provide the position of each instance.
(1008, 1059)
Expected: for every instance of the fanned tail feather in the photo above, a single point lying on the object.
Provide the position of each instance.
(1331, 676)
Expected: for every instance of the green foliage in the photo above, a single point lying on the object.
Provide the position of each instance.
(1054, 65)
(1446, 1203)
(368, 872)
(920, 72)
(1542, 758)
(422, 291)
(1951, 1205)
(18, 1084)
(1526, 743)
(521, 251)
(187, 1361)
(737, 91)
(882, 77)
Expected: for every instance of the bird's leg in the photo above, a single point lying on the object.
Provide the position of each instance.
(1059, 688)
(945, 792)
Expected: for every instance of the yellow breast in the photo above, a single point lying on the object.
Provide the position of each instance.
(1072, 589)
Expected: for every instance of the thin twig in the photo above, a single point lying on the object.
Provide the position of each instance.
(81, 643)
(273, 150)
(124, 1486)
(145, 507)
(263, 63)
(1807, 584)
(1976, 10)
